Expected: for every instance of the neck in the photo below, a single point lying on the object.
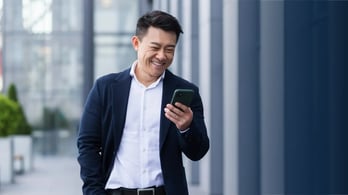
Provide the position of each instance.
(144, 79)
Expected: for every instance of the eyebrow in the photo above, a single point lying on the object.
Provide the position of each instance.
(155, 43)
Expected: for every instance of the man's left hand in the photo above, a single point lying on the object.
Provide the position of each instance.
(179, 114)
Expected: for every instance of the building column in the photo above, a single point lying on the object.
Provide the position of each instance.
(211, 86)
(248, 97)
(272, 97)
(88, 47)
(338, 106)
(230, 97)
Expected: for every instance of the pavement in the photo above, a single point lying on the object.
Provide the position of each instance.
(53, 175)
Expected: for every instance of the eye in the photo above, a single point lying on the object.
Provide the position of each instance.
(154, 48)
(170, 50)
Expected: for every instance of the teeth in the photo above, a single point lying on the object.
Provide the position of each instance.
(157, 63)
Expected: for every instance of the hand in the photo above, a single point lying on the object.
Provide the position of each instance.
(179, 114)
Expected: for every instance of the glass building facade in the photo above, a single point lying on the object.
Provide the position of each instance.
(113, 28)
(41, 54)
(43, 50)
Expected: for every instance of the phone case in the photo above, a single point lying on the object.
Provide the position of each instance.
(183, 96)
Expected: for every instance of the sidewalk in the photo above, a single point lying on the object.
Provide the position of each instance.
(53, 175)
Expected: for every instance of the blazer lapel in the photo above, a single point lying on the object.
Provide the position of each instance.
(168, 89)
(119, 98)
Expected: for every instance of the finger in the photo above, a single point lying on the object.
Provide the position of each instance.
(177, 120)
(172, 119)
(170, 114)
(181, 106)
(175, 109)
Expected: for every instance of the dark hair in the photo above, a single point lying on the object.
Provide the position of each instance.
(158, 19)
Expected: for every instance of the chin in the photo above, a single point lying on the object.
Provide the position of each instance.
(159, 69)
(158, 73)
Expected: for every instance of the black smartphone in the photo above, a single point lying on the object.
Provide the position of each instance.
(183, 96)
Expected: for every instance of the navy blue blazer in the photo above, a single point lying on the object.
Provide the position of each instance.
(102, 124)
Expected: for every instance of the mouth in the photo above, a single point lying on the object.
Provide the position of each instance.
(158, 64)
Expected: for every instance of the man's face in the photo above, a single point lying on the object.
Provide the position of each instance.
(155, 53)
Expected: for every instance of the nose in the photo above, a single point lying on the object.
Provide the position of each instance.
(161, 55)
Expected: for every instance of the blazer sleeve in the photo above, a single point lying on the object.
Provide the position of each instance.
(89, 144)
(195, 142)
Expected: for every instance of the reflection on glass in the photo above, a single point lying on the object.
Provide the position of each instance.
(42, 55)
(37, 16)
(114, 26)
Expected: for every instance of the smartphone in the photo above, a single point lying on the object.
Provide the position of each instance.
(183, 96)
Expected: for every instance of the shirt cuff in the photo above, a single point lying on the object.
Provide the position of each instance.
(184, 131)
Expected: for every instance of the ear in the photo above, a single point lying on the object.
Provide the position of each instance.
(135, 42)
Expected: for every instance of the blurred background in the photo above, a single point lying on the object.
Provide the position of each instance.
(272, 75)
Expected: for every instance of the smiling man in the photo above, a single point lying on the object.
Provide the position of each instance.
(131, 138)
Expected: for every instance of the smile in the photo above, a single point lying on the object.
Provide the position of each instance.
(157, 63)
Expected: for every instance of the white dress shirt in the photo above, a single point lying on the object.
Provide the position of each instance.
(137, 163)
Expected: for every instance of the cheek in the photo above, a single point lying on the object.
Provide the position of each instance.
(170, 57)
(142, 55)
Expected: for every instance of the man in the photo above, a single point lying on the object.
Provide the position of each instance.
(131, 138)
